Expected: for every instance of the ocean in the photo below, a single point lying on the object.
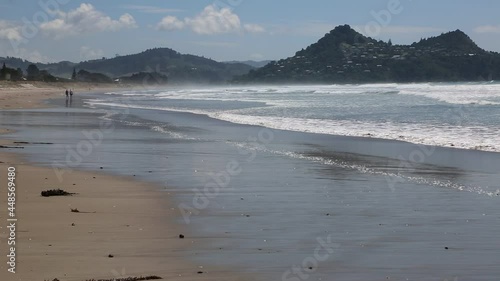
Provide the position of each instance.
(340, 182)
(451, 115)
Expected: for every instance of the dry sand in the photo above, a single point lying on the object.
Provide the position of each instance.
(132, 221)
(18, 95)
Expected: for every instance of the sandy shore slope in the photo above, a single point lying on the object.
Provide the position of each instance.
(121, 217)
(132, 221)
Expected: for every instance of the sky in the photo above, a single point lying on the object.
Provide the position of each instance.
(224, 30)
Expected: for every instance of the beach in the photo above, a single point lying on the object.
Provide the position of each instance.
(124, 228)
(31, 94)
(249, 140)
(253, 202)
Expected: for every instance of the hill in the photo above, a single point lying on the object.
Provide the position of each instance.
(252, 63)
(346, 56)
(179, 68)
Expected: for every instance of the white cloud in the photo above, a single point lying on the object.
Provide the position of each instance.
(84, 19)
(210, 21)
(10, 31)
(87, 53)
(487, 29)
(151, 9)
(170, 23)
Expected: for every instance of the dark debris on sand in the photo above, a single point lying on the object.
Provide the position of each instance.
(153, 277)
(6, 146)
(56, 192)
(25, 142)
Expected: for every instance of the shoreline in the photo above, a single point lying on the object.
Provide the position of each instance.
(124, 227)
(418, 147)
(367, 136)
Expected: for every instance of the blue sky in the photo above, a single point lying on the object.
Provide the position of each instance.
(226, 29)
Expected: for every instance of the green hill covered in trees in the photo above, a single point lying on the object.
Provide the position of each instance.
(159, 63)
(346, 56)
(179, 68)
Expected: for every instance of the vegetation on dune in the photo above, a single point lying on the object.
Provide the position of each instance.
(85, 76)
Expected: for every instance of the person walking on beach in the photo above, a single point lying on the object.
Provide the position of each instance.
(66, 93)
(70, 97)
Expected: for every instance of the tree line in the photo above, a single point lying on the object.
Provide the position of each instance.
(32, 74)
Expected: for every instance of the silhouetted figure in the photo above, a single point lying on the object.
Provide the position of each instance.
(67, 93)
(70, 98)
